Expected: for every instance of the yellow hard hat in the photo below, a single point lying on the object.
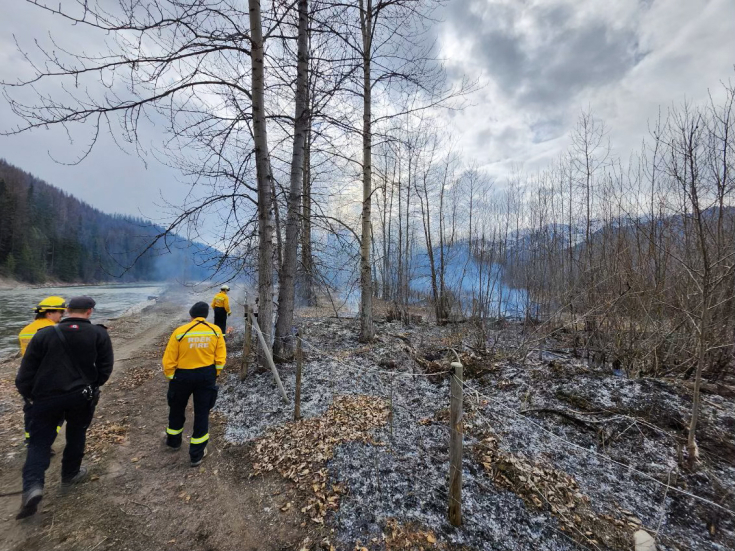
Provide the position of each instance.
(50, 304)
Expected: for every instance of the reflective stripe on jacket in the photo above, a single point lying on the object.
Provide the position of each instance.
(193, 345)
(221, 300)
(29, 330)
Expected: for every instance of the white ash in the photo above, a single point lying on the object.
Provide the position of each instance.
(405, 476)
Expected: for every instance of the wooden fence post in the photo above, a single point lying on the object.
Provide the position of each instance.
(299, 363)
(247, 344)
(455, 446)
(390, 414)
(268, 357)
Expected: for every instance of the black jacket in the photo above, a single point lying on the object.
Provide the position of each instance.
(46, 369)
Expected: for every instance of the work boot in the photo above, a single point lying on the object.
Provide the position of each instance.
(169, 447)
(29, 502)
(199, 462)
(78, 478)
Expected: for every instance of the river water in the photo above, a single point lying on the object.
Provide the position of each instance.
(16, 305)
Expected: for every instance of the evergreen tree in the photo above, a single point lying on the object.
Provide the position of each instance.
(9, 266)
(47, 234)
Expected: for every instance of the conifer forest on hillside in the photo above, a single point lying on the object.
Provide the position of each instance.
(47, 235)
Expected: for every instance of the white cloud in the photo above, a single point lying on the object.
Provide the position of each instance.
(541, 63)
(546, 61)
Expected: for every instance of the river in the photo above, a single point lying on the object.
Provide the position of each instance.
(16, 305)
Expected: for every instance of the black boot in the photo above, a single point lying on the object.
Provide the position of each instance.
(78, 478)
(29, 503)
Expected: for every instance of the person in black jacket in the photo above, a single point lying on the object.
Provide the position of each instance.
(60, 375)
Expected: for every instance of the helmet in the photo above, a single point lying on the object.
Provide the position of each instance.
(50, 304)
(225, 288)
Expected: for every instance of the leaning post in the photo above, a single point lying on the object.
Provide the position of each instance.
(247, 344)
(268, 357)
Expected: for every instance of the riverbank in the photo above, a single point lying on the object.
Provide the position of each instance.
(8, 284)
(16, 305)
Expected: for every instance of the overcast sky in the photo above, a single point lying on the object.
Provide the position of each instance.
(540, 62)
(544, 61)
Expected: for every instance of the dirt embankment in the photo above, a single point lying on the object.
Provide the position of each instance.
(6, 283)
(141, 495)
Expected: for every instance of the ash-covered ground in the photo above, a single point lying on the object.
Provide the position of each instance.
(551, 410)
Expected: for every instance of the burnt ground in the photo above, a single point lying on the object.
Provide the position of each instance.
(558, 454)
(142, 496)
(367, 468)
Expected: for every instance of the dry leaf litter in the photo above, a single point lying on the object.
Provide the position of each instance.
(546, 488)
(299, 451)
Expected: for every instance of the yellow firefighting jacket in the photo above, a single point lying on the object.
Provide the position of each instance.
(29, 330)
(221, 300)
(194, 344)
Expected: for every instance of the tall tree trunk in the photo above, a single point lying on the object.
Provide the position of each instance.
(366, 287)
(442, 315)
(706, 271)
(277, 221)
(399, 273)
(375, 266)
(426, 218)
(263, 169)
(388, 292)
(307, 262)
(571, 276)
(407, 248)
(383, 219)
(283, 345)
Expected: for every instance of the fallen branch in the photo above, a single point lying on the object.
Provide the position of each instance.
(567, 415)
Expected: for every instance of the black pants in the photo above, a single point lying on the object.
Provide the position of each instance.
(44, 416)
(201, 383)
(220, 318)
(27, 421)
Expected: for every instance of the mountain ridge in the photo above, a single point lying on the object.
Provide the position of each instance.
(47, 234)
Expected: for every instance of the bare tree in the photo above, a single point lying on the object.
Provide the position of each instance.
(173, 57)
(283, 347)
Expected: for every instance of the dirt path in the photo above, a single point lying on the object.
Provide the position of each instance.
(143, 496)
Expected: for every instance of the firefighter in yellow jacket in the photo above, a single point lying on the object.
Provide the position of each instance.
(221, 305)
(48, 314)
(194, 358)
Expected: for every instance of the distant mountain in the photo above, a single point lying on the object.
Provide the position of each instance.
(47, 234)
